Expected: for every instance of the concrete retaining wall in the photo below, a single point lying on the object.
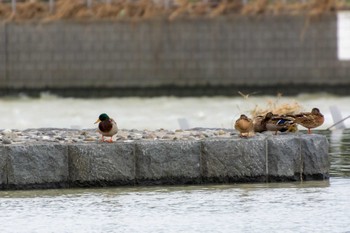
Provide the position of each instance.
(153, 57)
(262, 158)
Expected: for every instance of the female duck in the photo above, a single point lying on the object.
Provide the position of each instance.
(244, 125)
(107, 126)
(309, 120)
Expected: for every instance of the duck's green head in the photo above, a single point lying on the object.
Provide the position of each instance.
(102, 117)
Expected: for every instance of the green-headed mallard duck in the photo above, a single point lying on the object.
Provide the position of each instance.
(280, 123)
(309, 120)
(244, 125)
(107, 126)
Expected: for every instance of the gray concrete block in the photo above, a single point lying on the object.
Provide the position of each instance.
(35, 165)
(234, 159)
(168, 161)
(102, 163)
(284, 157)
(3, 166)
(315, 156)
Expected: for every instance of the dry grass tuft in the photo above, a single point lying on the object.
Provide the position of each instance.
(226, 7)
(319, 7)
(5, 11)
(274, 106)
(255, 8)
(280, 109)
(146, 9)
(65, 9)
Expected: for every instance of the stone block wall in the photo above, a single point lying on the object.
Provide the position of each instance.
(259, 51)
(263, 158)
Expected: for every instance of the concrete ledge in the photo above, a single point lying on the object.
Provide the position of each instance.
(168, 162)
(97, 164)
(263, 158)
(234, 160)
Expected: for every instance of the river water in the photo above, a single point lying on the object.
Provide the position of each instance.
(150, 113)
(319, 206)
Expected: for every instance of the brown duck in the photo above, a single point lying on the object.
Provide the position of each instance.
(244, 125)
(261, 121)
(309, 120)
(107, 126)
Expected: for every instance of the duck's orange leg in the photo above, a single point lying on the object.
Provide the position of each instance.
(309, 131)
(110, 140)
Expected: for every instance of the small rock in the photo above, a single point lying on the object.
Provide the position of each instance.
(6, 140)
(149, 136)
(221, 132)
(137, 136)
(122, 137)
(84, 133)
(89, 139)
(6, 131)
(46, 138)
(167, 137)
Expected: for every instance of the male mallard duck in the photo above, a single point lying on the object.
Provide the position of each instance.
(280, 123)
(244, 125)
(309, 120)
(107, 126)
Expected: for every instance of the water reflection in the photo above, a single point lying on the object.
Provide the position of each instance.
(340, 152)
(294, 207)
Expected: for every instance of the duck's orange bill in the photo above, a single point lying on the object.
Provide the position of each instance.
(98, 120)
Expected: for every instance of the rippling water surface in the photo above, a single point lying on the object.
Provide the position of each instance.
(292, 207)
(322, 206)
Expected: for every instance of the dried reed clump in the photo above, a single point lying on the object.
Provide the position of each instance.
(291, 8)
(319, 7)
(5, 11)
(143, 9)
(277, 108)
(226, 7)
(66, 9)
(255, 7)
(31, 10)
(146, 9)
(108, 11)
(312, 8)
